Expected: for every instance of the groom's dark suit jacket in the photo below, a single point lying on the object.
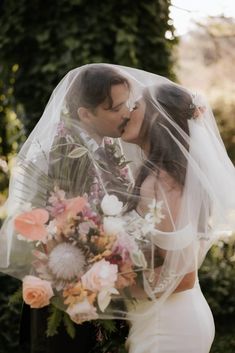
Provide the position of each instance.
(34, 321)
(33, 335)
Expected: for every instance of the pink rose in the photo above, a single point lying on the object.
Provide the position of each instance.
(36, 292)
(101, 275)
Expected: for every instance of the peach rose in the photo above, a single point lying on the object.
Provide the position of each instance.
(101, 275)
(36, 292)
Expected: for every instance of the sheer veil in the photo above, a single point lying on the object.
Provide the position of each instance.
(183, 199)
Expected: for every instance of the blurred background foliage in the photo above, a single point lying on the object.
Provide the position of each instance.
(205, 62)
(40, 43)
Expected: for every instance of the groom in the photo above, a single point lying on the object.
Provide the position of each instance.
(99, 104)
(98, 99)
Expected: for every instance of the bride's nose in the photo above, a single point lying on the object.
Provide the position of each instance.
(130, 104)
(126, 112)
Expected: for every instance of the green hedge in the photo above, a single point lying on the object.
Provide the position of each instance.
(217, 278)
(9, 315)
(48, 41)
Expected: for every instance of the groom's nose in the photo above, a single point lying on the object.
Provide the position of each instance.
(125, 121)
(126, 113)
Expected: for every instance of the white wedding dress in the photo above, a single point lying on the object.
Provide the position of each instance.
(183, 323)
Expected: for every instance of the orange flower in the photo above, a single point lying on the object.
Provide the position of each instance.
(99, 257)
(74, 294)
(77, 294)
(103, 241)
(31, 224)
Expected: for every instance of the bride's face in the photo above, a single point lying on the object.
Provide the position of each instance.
(132, 132)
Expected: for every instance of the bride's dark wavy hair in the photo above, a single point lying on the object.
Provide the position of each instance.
(168, 109)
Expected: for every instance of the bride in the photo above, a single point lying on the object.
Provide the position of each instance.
(180, 145)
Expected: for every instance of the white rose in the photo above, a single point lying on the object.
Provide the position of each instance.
(111, 206)
(113, 225)
(101, 275)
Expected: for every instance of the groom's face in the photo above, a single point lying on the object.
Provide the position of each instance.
(111, 121)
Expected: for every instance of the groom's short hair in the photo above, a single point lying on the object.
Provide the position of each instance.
(92, 87)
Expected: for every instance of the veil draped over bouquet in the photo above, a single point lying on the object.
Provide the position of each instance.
(86, 231)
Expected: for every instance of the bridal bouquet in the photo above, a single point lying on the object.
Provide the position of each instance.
(82, 256)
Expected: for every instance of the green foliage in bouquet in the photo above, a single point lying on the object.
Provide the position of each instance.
(111, 336)
(55, 319)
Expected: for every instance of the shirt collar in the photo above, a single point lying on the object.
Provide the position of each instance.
(90, 142)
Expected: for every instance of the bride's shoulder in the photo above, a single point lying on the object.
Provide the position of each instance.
(161, 187)
(158, 180)
(148, 191)
(148, 185)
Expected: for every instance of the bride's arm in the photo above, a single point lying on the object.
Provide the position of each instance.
(187, 282)
(173, 195)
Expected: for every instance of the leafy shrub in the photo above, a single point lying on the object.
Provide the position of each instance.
(217, 278)
(9, 315)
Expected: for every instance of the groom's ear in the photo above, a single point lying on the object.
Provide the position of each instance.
(84, 115)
